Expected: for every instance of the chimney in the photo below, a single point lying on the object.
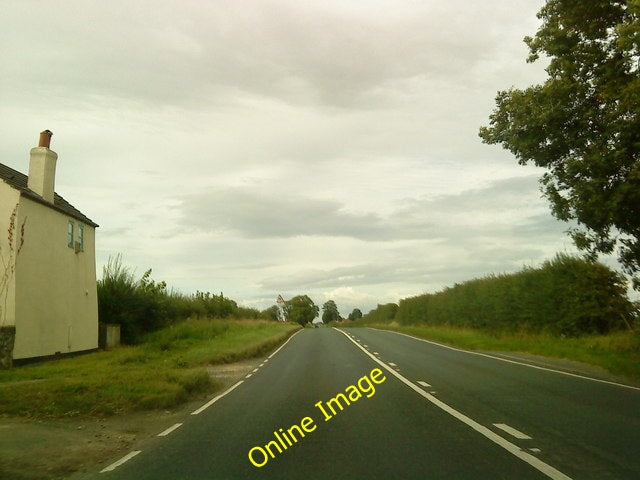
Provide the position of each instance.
(42, 168)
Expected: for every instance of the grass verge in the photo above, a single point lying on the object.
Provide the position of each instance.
(167, 369)
(618, 353)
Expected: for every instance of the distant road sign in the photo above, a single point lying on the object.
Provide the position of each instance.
(280, 300)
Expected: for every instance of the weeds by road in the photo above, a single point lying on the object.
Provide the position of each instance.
(167, 369)
(618, 352)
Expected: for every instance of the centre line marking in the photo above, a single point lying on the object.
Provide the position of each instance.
(255, 370)
(393, 364)
(536, 463)
(169, 430)
(124, 459)
(424, 384)
(512, 431)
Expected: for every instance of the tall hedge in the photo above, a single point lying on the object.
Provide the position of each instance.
(566, 296)
(144, 305)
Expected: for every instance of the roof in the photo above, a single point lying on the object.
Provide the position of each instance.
(20, 181)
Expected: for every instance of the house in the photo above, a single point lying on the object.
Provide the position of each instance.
(48, 297)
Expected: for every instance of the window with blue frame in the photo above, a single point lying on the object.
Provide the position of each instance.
(70, 234)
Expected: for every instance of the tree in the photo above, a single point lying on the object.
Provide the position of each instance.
(583, 123)
(270, 313)
(356, 314)
(330, 312)
(301, 309)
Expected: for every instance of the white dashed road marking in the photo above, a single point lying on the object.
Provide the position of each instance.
(512, 431)
(516, 451)
(169, 430)
(124, 459)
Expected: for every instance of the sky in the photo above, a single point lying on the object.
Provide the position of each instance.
(265, 147)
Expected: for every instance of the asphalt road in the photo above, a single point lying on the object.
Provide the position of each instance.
(409, 409)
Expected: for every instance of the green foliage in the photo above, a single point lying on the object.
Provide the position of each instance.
(270, 313)
(330, 312)
(356, 314)
(382, 313)
(567, 296)
(144, 305)
(137, 305)
(167, 368)
(617, 352)
(214, 306)
(301, 309)
(583, 123)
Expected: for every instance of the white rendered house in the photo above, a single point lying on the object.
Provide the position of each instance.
(48, 296)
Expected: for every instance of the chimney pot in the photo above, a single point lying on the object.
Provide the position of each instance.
(45, 138)
(42, 168)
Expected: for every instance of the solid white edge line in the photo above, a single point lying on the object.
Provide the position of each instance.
(214, 400)
(510, 361)
(512, 431)
(124, 459)
(539, 465)
(282, 346)
(169, 430)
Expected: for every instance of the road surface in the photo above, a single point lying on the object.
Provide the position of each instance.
(369, 404)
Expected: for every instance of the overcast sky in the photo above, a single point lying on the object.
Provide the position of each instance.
(265, 147)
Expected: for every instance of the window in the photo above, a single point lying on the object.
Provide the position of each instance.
(81, 238)
(70, 234)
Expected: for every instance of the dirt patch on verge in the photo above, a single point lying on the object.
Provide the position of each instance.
(79, 448)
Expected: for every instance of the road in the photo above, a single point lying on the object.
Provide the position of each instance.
(409, 409)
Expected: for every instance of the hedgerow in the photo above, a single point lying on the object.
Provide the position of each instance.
(145, 305)
(566, 296)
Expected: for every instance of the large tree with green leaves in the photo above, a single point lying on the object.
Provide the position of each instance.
(330, 312)
(301, 309)
(583, 123)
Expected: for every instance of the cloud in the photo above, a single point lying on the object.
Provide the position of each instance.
(264, 215)
(252, 212)
(206, 52)
(273, 146)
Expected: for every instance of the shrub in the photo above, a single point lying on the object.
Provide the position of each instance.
(382, 313)
(144, 305)
(566, 296)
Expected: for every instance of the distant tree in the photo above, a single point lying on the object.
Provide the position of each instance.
(330, 312)
(583, 123)
(301, 309)
(356, 314)
(270, 313)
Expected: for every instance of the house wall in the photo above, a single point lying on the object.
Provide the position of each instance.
(8, 200)
(56, 303)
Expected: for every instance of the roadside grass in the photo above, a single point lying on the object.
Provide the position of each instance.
(167, 369)
(618, 352)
